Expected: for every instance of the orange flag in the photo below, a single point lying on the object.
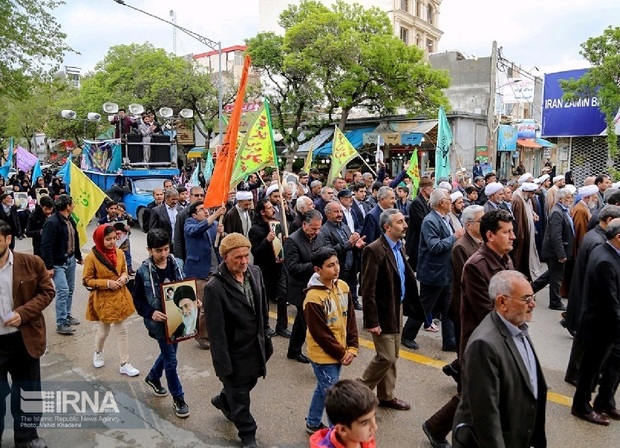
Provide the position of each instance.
(219, 187)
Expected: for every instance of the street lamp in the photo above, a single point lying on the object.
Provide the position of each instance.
(203, 40)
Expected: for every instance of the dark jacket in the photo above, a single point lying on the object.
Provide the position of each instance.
(319, 205)
(372, 229)
(335, 241)
(356, 211)
(55, 239)
(34, 229)
(464, 248)
(497, 399)
(417, 211)
(12, 220)
(435, 250)
(601, 316)
(297, 258)
(475, 301)
(178, 239)
(159, 219)
(239, 347)
(559, 238)
(232, 221)
(380, 289)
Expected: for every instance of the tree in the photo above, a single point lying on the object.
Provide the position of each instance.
(360, 63)
(602, 80)
(141, 73)
(31, 42)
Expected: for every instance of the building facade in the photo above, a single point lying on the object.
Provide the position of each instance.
(415, 22)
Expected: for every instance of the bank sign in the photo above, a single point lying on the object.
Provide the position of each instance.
(561, 118)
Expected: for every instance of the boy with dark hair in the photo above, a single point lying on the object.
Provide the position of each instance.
(351, 407)
(160, 268)
(332, 330)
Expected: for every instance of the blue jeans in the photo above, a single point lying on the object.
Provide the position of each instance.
(326, 376)
(64, 281)
(167, 360)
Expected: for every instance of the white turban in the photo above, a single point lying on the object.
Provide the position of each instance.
(541, 179)
(272, 188)
(456, 196)
(525, 177)
(571, 188)
(529, 186)
(244, 196)
(588, 190)
(445, 186)
(493, 188)
(558, 178)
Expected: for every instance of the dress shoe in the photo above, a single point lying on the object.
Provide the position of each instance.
(410, 343)
(270, 332)
(65, 329)
(448, 370)
(218, 403)
(249, 442)
(34, 443)
(284, 333)
(436, 442)
(395, 403)
(204, 343)
(300, 357)
(357, 305)
(557, 307)
(612, 413)
(571, 381)
(449, 348)
(591, 417)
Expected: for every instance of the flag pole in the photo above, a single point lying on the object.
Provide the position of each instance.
(366, 163)
(275, 161)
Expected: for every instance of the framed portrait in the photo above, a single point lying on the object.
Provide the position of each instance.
(41, 192)
(180, 305)
(277, 242)
(7, 189)
(21, 200)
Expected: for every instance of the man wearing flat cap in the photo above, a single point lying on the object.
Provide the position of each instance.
(237, 317)
(184, 298)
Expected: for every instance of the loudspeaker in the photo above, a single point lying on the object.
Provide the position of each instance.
(160, 153)
(134, 148)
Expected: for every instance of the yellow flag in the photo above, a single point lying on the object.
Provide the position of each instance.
(342, 153)
(308, 162)
(87, 197)
(414, 172)
(256, 150)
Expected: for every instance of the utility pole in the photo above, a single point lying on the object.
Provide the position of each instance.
(173, 19)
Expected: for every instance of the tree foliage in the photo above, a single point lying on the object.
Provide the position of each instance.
(602, 80)
(31, 42)
(338, 59)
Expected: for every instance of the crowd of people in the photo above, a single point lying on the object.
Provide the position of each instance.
(461, 258)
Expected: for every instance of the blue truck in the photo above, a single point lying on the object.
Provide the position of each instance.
(137, 185)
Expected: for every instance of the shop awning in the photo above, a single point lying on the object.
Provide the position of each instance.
(527, 143)
(356, 137)
(315, 142)
(545, 143)
(419, 127)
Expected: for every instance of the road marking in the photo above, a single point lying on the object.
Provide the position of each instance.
(553, 397)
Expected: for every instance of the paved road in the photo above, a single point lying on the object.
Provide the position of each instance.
(279, 402)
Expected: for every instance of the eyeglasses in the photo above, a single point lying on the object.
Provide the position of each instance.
(526, 299)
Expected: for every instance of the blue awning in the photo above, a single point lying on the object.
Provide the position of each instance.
(545, 143)
(356, 137)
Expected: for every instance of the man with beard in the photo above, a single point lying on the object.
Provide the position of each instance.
(385, 200)
(261, 236)
(196, 194)
(417, 212)
(185, 299)
(525, 255)
(551, 200)
(239, 218)
(495, 195)
(456, 210)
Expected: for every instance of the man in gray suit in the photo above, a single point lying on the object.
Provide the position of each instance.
(504, 392)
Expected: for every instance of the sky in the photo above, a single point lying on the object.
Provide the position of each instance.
(545, 34)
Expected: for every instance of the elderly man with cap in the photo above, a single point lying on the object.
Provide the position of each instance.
(525, 255)
(237, 317)
(184, 298)
(345, 197)
(495, 195)
(239, 218)
(456, 210)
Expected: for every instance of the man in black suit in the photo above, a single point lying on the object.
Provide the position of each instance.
(338, 236)
(327, 195)
(164, 216)
(418, 209)
(599, 329)
(8, 214)
(239, 218)
(196, 194)
(158, 198)
(504, 392)
(359, 207)
(298, 249)
(385, 200)
(557, 247)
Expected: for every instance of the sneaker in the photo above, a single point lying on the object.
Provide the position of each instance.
(72, 321)
(129, 370)
(181, 409)
(312, 429)
(98, 359)
(158, 389)
(65, 329)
